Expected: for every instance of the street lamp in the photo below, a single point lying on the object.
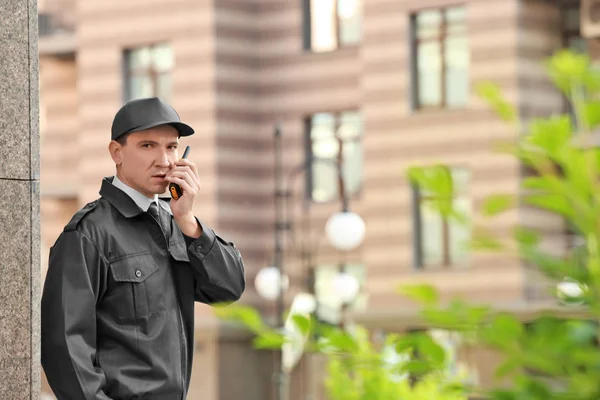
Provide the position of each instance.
(571, 292)
(269, 283)
(346, 287)
(345, 231)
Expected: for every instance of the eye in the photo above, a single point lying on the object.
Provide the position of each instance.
(146, 145)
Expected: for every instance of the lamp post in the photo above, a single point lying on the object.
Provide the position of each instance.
(345, 231)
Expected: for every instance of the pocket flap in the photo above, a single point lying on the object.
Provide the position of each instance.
(133, 268)
(178, 251)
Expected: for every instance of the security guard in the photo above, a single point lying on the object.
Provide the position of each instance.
(118, 300)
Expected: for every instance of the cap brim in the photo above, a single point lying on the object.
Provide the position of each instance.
(183, 129)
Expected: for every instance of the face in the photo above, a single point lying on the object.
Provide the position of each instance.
(145, 158)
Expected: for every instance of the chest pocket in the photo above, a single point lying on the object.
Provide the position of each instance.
(138, 291)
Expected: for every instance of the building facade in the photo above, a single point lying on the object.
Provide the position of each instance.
(395, 79)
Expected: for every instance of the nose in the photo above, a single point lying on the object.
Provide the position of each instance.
(162, 159)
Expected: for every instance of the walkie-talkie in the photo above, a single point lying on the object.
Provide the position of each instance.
(174, 188)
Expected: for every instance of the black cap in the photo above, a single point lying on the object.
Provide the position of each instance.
(139, 114)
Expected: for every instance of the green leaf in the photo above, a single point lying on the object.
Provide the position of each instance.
(486, 243)
(551, 266)
(416, 367)
(431, 350)
(551, 136)
(245, 315)
(580, 175)
(435, 178)
(568, 70)
(508, 367)
(502, 333)
(339, 341)
(554, 203)
(405, 344)
(586, 384)
(492, 95)
(302, 322)
(503, 394)
(526, 237)
(549, 184)
(484, 240)
(507, 326)
(269, 340)
(442, 319)
(498, 203)
(591, 113)
(536, 389)
(423, 293)
(582, 332)
(477, 314)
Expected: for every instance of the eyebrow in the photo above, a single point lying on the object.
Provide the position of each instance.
(174, 143)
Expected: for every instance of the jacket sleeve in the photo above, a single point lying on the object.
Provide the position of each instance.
(218, 268)
(74, 282)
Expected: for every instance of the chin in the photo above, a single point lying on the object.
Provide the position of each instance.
(159, 188)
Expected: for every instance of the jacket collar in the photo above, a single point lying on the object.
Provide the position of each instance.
(123, 202)
(119, 199)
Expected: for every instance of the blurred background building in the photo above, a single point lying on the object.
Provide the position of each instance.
(395, 78)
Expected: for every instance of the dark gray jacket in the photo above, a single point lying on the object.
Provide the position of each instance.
(118, 301)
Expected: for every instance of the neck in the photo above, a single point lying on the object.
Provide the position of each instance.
(126, 182)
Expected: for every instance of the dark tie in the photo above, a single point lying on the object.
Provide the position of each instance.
(161, 218)
(153, 210)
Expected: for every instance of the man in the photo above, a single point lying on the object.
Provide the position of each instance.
(118, 300)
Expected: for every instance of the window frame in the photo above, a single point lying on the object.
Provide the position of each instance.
(415, 42)
(567, 34)
(151, 71)
(307, 39)
(309, 156)
(418, 228)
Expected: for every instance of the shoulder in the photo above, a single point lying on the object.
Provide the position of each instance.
(81, 215)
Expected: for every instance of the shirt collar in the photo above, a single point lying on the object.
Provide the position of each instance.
(141, 200)
(120, 199)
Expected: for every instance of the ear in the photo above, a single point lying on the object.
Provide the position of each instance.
(116, 152)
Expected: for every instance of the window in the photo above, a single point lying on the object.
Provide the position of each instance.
(323, 145)
(330, 24)
(572, 40)
(571, 29)
(441, 58)
(148, 72)
(441, 241)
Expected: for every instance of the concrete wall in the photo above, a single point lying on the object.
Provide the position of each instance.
(19, 201)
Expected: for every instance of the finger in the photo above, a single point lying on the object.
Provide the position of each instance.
(187, 176)
(183, 184)
(186, 162)
(193, 170)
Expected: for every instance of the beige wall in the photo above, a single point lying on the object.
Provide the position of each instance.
(239, 68)
(375, 78)
(538, 98)
(59, 127)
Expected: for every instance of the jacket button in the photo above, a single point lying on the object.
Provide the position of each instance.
(138, 273)
(198, 249)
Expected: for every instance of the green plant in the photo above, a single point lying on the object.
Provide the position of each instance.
(554, 356)
(357, 368)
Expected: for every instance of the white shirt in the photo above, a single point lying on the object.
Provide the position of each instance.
(140, 199)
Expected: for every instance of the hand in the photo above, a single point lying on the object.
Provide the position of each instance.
(185, 174)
